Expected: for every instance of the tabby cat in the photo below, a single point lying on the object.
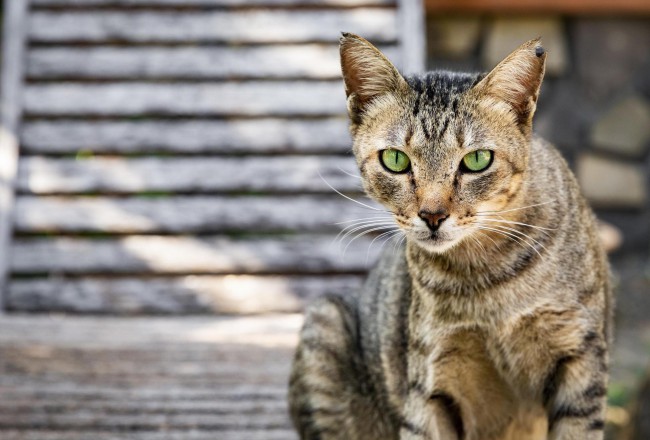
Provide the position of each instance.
(492, 319)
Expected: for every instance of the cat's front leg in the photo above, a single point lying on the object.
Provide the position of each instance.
(430, 417)
(577, 396)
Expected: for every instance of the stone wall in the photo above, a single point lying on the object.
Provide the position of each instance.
(595, 101)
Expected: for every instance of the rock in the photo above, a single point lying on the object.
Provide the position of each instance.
(610, 235)
(452, 37)
(562, 116)
(507, 33)
(639, 429)
(624, 129)
(611, 184)
(609, 54)
(642, 82)
(635, 227)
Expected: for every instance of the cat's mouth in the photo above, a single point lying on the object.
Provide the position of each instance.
(435, 241)
(438, 239)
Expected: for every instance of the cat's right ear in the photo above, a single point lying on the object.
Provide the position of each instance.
(367, 74)
(516, 81)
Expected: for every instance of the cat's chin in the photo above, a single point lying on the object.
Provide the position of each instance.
(435, 244)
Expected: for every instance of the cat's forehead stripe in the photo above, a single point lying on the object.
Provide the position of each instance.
(440, 87)
(437, 97)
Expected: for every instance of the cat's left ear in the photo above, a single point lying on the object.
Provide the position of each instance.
(516, 81)
(367, 74)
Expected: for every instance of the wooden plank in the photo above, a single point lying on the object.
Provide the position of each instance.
(188, 214)
(23, 405)
(45, 175)
(42, 388)
(577, 7)
(195, 333)
(181, 255)
(161, 361)
(148, 370)
(213, 355)
(255, 98)
(207, 3)
(230, 294)
(276, 61)
(168, 434)
(281, 61)
(243, 26)
(58, 374)
(11, 88)
(150, 422)
(264, 135)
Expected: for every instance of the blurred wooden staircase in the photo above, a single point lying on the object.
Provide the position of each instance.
(170, 153)
(164, 157)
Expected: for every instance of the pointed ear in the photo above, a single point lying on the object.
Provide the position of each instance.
(516, 81)
(367, 74)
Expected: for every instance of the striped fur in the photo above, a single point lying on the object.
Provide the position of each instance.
(495, 326)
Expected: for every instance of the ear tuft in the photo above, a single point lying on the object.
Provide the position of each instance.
(517, 79)
(367, 73)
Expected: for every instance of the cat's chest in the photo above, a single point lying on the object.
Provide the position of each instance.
(515, 352)
(471, 365)
(496, 373)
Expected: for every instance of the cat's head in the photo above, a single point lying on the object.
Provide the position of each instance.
(439, 149)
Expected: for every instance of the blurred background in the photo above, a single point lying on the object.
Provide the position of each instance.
(167, 159)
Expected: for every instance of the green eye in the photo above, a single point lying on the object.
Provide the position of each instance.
(395, 160)
(477, 160)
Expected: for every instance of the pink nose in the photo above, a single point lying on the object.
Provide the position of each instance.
(433, 219)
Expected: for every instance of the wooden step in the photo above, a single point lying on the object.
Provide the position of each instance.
(315, 61)
(163, 434)
(251, 98)
(158, 213)
(263, 135)
(229, 294)
(101, 378)
(24, 405)
(220, 26)
(45, 175)
(84, 420)
(313, 254)
(214, 3)
(109, 331)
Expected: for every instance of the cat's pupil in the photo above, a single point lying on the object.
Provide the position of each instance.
(476, 155)
(396, 157)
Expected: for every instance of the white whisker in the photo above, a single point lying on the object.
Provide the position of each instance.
(523, 234)
(476, 240)
(369, 222)
(489, 238)
(355, 228)
(386, 234)
(397, 232)
(516, 209)
(399, 242)
(514, 237)
(541, 228)
(361, 235)
(381, 235)
(350, 198)
(349, 173)
(377, 217)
